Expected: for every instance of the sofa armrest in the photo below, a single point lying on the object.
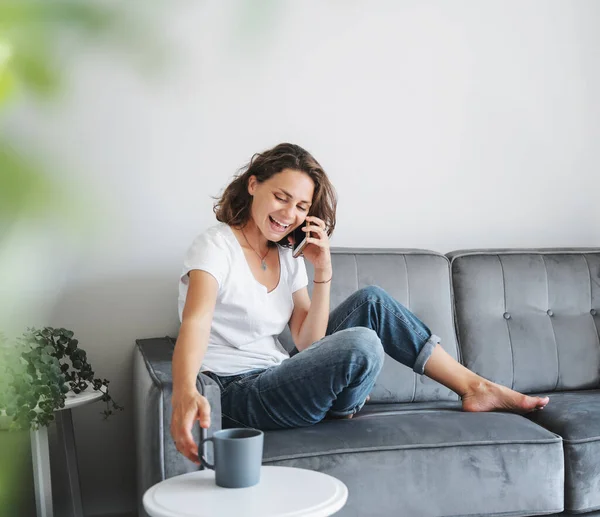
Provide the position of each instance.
(157, 457)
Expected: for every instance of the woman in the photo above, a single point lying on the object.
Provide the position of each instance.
(239, 288)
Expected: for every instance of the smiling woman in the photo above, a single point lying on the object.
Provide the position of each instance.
(241, 286)
(261, 177)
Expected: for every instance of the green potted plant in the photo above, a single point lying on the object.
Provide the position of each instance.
(38, 371)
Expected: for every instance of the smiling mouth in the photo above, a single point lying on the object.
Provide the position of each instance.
(279, 227)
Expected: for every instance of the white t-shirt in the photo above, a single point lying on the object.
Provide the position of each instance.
(247, 319)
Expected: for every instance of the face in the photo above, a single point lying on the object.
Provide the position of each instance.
(281, 203)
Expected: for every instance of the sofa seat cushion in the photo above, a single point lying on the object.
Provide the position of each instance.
(431, 462)
(576, 417)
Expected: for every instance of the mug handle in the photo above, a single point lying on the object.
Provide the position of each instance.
(205, 463)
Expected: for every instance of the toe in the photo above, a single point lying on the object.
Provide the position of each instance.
(535, 403)
(543, 402)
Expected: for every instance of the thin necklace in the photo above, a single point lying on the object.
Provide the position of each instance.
(263, 264)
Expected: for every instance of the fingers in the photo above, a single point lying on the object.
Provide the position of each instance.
(182, 435)
(204, 413)
(319, 242)
(184, 441)
(314, 229)
(315, 221)
(321, 235)
(183, 421)
(185, 445)
(316, 234)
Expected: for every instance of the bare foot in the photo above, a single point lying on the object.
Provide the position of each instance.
(488, 396)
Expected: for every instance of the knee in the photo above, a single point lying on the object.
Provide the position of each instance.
(372, 294)
(361, 346)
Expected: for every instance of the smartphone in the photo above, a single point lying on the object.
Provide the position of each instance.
(300, 243)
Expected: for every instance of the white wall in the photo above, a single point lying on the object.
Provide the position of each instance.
(443, 125)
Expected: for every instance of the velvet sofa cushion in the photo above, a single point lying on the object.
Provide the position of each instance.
(431, 462)
(529, 319)
(576, 417)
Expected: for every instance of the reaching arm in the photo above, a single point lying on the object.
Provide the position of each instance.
(188, 404)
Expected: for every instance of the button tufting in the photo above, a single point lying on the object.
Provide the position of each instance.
(506, 316)
(593, 312)
(549, 312)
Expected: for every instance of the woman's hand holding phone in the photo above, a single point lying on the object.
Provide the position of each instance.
(298, 240)
(316, 250)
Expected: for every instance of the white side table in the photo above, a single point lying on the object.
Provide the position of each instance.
(41, 456)
(282, 492)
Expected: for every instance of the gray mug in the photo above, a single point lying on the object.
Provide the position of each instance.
(238, 457)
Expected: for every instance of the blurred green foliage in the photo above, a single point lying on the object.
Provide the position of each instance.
(25, 191)
(31, 35)
(36, 36)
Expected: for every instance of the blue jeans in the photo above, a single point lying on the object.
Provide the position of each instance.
(334, 375)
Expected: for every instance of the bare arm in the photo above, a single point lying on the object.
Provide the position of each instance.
(188, 404)
(309, 319)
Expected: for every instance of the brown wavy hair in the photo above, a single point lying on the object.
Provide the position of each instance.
(233, 206)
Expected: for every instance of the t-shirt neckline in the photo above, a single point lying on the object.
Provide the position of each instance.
(243, 256)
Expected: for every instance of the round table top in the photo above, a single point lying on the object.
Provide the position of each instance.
(282, 492)
(73, 400)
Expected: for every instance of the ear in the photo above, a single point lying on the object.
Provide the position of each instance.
(252, 183)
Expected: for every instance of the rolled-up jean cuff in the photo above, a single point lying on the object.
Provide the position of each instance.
(425, 353)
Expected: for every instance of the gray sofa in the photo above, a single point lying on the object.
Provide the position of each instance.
(529, 319)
